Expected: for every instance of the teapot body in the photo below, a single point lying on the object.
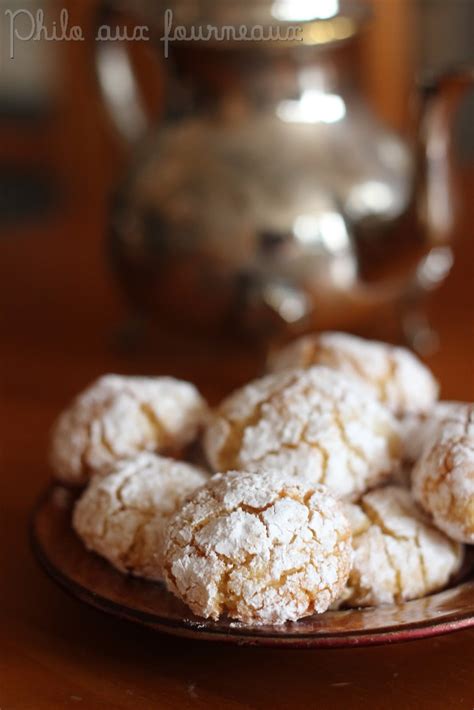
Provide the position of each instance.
(266, 196)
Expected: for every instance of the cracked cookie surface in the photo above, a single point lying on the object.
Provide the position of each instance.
(316, 423)
(395, 375)
(398, 554)
(443, 478)
(258, 547)
(123, 516)
(118, 417)
(417, 431)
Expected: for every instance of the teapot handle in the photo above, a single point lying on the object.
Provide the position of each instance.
(436, 198)
(116, 75)
(441, 98)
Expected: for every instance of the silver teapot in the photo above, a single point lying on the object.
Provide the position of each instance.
(267, 198)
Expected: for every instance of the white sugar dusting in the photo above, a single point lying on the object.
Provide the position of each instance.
(395, 375)
(443, 479)
(261, 548)
(317, 424)
(119, 417)
(123, 516)
(398, 554)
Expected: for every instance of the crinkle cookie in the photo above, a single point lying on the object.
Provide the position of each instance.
(258, 547)
(395, 375)
(443, 479)
(316, 423)
(398, 554)
(417, 431)
(123, 516)
(118, 417)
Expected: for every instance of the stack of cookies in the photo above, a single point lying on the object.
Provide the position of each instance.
(337, 480)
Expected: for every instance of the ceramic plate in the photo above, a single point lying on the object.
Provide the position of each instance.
(95, 582)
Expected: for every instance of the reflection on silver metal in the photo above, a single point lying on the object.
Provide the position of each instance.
(304, 10)
(270, 189)
(290, 304)
(372, 197)
(313, 107)
(327, 228)
(435, 267)
(117, 81)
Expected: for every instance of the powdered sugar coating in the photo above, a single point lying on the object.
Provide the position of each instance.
(395, 375)
(317, 424)
(398, 554)
(118, 417)
(259, 547)
(443, 479)
(417, 431)
(123, 516)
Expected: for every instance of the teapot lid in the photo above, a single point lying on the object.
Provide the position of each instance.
(317, 21)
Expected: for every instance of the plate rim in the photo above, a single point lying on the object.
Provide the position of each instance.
(238, 635)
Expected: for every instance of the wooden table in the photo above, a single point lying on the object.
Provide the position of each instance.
(58, 313)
